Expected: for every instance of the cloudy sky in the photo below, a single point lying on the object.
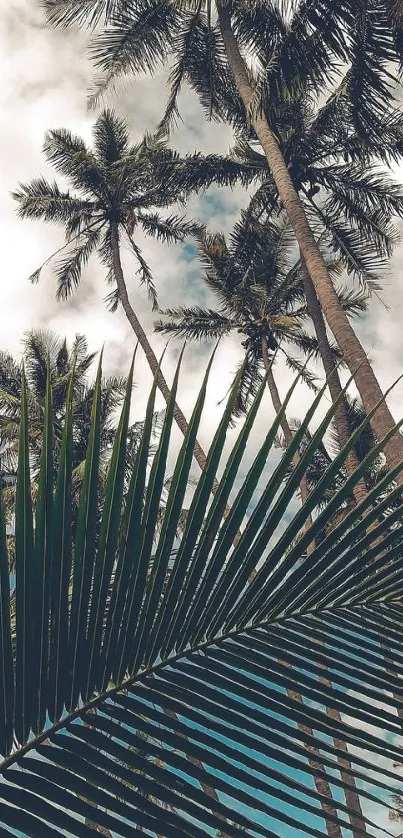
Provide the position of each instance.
(45, 78)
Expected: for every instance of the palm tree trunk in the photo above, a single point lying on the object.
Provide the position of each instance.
(181, 421)
(101, 830)
(141, 336)
(352, 798)
(358, 826)
(322, 786)
(275, 397)
(208, 790)
(333, 380)
(353, 352)
(138, 330)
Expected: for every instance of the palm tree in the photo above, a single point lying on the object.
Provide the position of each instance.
(352, 215)
(43, 349)
(95, 630)
(117, 187)
(209, 53)
(260, 293)
(260, 290)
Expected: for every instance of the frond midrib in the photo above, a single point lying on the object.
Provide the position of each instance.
(95, 702)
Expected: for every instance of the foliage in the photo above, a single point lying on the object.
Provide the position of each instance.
(212, 633)
(323, 78)
(42, 350)
(258, 286)
(115, 183)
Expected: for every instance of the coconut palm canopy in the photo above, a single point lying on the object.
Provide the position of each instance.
(43, 349)
(139, 678)
(115, 188)
(257, 284)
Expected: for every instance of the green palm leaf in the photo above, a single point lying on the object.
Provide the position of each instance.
(204, 661)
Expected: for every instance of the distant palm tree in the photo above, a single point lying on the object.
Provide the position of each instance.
(117, 188)
(42, 347)
(260, 291)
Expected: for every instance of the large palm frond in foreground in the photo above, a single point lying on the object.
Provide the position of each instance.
(188, 651)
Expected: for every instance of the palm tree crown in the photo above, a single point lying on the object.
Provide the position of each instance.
(348, 197)
(116, 184)
(43, 350)
(257, 283)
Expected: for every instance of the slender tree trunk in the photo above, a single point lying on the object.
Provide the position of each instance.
(138, 330)
(343, 432)
(141, 336)
(333, 380)
(353, 352)
(275, 397)
(322, 786)
(352, 798)
(360, 491)
(208, 790)
(101, 830)
(181, 421)
(351, 794)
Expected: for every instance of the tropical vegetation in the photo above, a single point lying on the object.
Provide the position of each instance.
(217, 656)
(199, 648)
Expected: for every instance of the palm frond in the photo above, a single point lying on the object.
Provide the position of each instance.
(68, 270)
(111, 137)
(195, 323)
(169, 229)
(189, 661)
(184, 43)
(41, 199)
(74, 11)
(143, 271)
(135, 40)
(71, 157)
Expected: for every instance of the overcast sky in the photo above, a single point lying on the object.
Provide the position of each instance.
(45, 78)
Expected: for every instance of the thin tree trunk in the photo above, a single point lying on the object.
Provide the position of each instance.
(208, 790)
(138, 330)
(352, 798)
(141, 336)
(351, 794)
(353, 352)
(101, 830)
(275, 397)
(360, 490)
(322, 785)
(333, 380)
(181, 421)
